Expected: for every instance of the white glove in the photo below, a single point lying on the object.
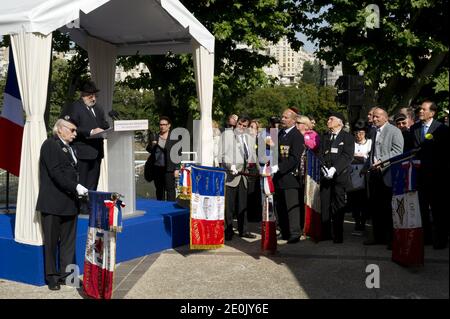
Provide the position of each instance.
(233, 170)
(331, 172)
(81, 190)
(274, 169)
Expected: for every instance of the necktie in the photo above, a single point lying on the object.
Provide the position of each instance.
(373, 153)
(283, 133)
(424, 131)
(91, 110)
(333, 137)
(245, 148)
(72, 153)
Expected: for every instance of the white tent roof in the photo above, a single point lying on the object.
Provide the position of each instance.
(133, 26)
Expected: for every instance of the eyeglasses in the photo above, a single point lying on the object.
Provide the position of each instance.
(300, 123)
(163, 124)
(72, 130)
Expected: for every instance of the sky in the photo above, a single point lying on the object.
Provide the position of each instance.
(308, 45)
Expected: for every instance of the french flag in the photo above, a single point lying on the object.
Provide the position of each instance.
(313, 218)
(100, 256)
(11, 123)
(268, 224)
(407, 244)
(207, 207)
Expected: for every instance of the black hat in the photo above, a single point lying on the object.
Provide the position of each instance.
(274, 119)
(338, 115)
(89, 87)
(360, 125)
(399, 117)
(68, 118)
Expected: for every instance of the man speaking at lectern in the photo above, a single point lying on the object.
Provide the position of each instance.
(90, 119)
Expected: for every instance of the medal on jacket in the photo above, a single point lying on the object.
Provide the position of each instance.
(284, 151)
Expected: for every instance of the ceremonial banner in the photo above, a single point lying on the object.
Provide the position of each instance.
(268, 224)
(407, 244)
(11, 122)
(105, 221)
(313, 218)
(184, 189)
(207, 207)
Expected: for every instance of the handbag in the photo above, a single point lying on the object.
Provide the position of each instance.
(357, 181)
(148, 169)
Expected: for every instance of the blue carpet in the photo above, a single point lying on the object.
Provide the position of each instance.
(164, 225)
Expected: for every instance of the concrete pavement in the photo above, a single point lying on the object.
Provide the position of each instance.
(305, 270)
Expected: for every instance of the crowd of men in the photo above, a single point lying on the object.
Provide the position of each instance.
(353, 177)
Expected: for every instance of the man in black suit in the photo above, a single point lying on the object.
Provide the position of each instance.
(57, 201)
(90, 119)
(433, 175)
(336, 152)
(290, 148)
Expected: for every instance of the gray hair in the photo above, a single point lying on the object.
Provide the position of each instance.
(59, 124)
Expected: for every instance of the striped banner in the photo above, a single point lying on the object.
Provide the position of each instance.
(313, 218)
(100, 257)
(207, 207)
(269, 223)
(11, 123)
(407, 244)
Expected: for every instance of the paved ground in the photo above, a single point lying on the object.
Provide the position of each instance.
(301, 271)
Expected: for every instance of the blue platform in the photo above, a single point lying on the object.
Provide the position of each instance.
(164, 225)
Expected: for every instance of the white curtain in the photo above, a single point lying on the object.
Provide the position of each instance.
(32, 52)
(204, 78)
(102, 63)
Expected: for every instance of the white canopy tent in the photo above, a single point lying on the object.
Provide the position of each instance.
(106, 29)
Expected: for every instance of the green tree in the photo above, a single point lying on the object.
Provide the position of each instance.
(311, 72)
(399, 58)
(237, 70)
(309, 99)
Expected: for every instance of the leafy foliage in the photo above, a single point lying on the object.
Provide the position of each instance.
(311, 73)
(311, 100)
(237, 70)
(398, 59)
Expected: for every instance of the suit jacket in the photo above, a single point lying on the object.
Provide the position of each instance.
(388, 144)
(87, 149)
(168, 162)
(433, 152)
(338, 154)
(58, 178)
(231, 152)
(290, 149)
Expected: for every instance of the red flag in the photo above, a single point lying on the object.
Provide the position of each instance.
(313, 218)
(11, 123)
(268, 224)
(407, 244)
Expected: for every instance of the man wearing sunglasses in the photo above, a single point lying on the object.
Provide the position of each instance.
(90, 119)
(58, 201)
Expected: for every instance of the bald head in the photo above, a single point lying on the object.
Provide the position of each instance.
(380, 117)
(288, 118)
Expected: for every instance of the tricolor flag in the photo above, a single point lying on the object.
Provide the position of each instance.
(100, 256)
(11, 123)
(184, 188)
(407, 244)
(313, 218)
(207, 207)
(268, 224)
